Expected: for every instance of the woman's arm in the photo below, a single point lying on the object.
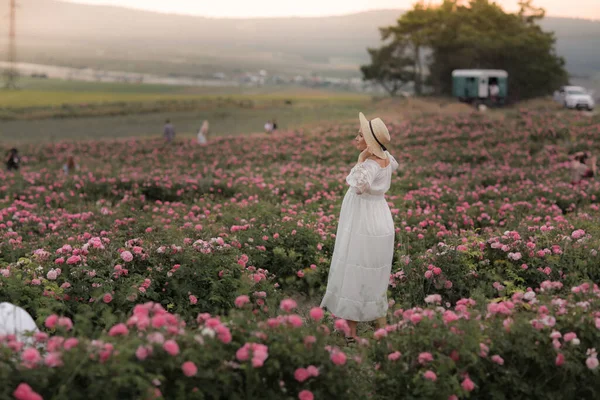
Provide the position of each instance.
(362, 176)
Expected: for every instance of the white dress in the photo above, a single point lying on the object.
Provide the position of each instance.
(16, 321)
(364, 246)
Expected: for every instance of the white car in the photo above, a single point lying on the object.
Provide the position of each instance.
(575, 97)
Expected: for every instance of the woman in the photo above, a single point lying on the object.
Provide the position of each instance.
(70, 165)
(203, 133)
(582, 167)
(364, 246)
(12, 159)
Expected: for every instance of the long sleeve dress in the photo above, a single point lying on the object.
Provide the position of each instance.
(364, 246)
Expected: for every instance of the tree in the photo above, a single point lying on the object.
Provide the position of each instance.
(480, 34)
(390, 67)
(414, 28)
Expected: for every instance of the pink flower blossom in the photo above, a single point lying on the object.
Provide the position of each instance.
(301, 374)
(53, 360)
(306, 395)
(449, 316)
(497, 359)
(569, 336)
(127, 256)
(142, 353)
(342, 325)
(65, 322)
(338, 357)
(467, 384)
(430, 375)
(31, 356)
(107, 298)
(316, 313)
(70, 343)
(433, 298)
(189, 368)
(295, 320)
(25, 392)
(394, 356)
(425, 357)
(380, 333)
(50, 322)
(287, 305)
(560, 360)
(119, 329)
(313, 371)
(240, 301)
(171, 347)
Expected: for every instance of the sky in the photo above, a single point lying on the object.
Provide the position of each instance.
(589, 9)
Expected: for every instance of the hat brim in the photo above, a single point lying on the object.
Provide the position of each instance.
(372, 144)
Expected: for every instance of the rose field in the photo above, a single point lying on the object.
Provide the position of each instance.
(188, 272)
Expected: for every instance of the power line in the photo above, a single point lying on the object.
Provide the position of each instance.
(11, 74)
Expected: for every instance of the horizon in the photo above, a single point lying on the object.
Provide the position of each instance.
(269, 9)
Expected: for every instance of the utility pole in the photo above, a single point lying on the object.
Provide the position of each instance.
(11, 74)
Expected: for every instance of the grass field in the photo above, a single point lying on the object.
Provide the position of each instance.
(221, 106)
(51, 92)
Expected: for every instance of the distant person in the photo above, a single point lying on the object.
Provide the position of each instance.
(12, 159)
(203, 134)
(169, 131)
(582, 167)
(268, 127)
(70, 165)
(274, 125)
(494, 92)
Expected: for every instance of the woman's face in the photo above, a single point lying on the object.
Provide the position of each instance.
(359, 142)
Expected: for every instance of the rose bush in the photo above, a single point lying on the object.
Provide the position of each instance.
(483, 211)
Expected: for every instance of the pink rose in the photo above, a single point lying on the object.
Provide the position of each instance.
(313, 371)
(338, 357)
(425, 358)
(295, 320)
(31, 356)
(50, 322)
(127, 256)
(107, 298)
(70, 343)
(497, 359)
(65, 322)
(189, 368)
(306, 395)
(240, 301)
(287, 305)
(301, 374)
(53, 360)
(119, 329)
(25, 392)
(316, 313)
(171, 347)
(380, 333)
(560, 360)
(468, 384)
(193, 299)
(430, 375)
(142, 353)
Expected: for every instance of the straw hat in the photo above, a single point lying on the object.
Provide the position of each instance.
(376, 135)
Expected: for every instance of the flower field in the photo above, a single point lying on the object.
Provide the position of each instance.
(186, 272)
